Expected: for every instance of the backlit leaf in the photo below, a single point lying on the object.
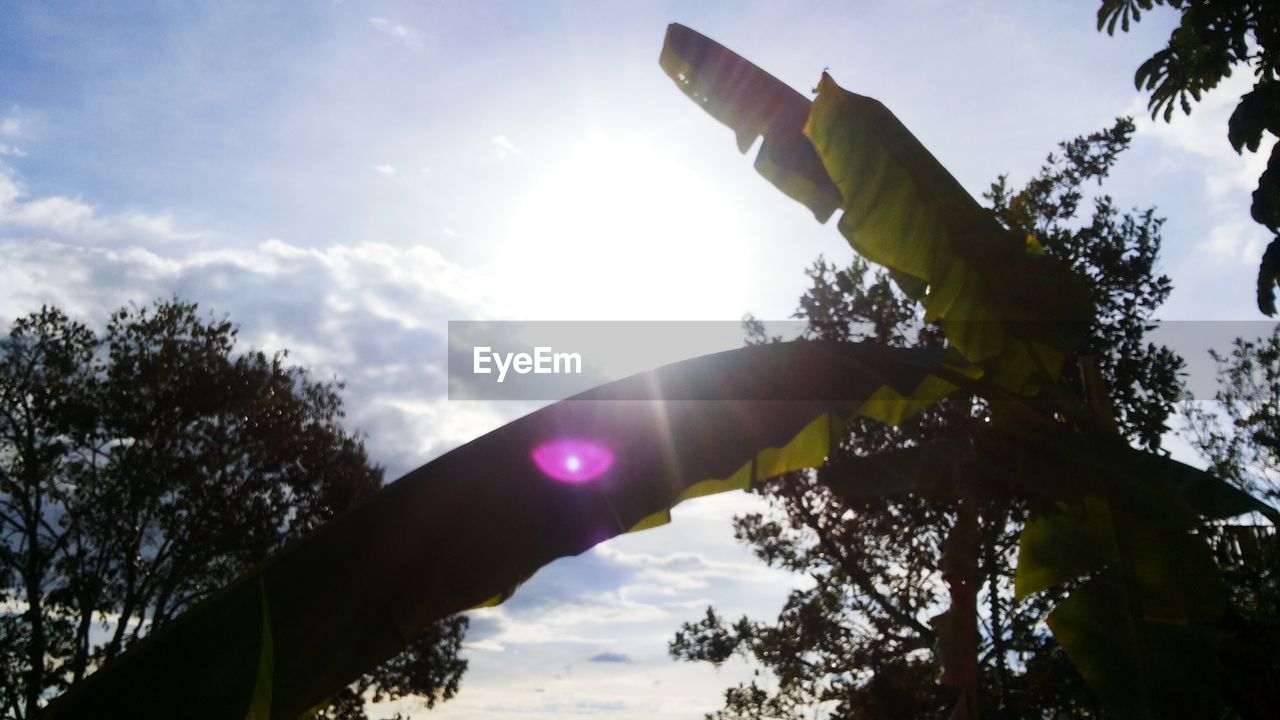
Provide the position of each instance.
(471, 525)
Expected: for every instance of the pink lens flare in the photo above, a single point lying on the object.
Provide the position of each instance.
(573, 460)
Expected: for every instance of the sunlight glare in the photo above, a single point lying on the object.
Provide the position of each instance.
(621, 229)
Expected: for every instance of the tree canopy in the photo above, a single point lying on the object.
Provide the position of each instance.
(1015, 412)
(1029, 430)
(146, 467)
(1214, 38)
(859, 642)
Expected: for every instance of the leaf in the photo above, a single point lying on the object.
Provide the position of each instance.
(1140, 621)
(1158, 666)
(1258, 111)
(922, 469)
(753, 103)
(1268, 277)
(1102, 645)
(1212, 498)
(994, 294)
(903, 210)
(891, 406)
(474, 523)
(1056, 549)
(1265, 208)
(809, 448)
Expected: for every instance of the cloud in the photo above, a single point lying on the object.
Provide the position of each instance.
(11, 150)
(578, 619)
(675, 573)
(505, 147)
(1235, 242)
(1198, 143)
(384, 169)
(610, 657)
(370, 314)
(10, 126)
(72, 219)
(1201, 138)
(402, 34)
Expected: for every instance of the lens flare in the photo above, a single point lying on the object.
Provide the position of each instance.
(573, 460)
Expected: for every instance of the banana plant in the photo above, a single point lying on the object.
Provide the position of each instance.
(467, 528)
(1115, 526)
(1118, 529)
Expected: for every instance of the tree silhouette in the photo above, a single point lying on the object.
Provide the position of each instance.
(1213, 39)
(860, 641)
(1239, 434)
(142, 470)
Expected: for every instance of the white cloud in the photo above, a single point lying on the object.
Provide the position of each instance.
(73, 220)
(11, 150)
(10, 126)
(505, 147)
(1198, 143)
(591, 621)
(373, 315)
(674, 573)
(1201, 138)
(1236, 242)
(403, 34)
(384, 169)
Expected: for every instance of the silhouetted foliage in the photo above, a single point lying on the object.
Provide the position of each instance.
(861, 641)
(1246, 447)
(1213, 38)
(141, 470)
(1239, 434)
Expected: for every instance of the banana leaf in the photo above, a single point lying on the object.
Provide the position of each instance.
(468, 527)
(754, 104)
(996, 294)
(1147, 605)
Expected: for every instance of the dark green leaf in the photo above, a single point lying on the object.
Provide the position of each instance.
(1268, 277)
(1257, 112)
(894, 472)
(990, 288)
(1138, 670)
(753, 103)
(1058, 548)
(1266, 198)
(1210, 496)
(479, 520)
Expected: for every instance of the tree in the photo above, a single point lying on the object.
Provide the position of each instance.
(1247, 449)
(1113, 538)
(860, 642)
(1239, 435)
(142, 470)
(1213, 38)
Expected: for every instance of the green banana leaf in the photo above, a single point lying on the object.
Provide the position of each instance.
(1119, 528)
(996, 295)
(755, 104)
(1146, 604)
(471, 525)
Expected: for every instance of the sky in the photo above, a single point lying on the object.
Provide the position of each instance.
(341, 179)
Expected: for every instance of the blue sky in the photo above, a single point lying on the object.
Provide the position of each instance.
(343, 178)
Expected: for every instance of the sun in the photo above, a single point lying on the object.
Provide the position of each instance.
(621, 229)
